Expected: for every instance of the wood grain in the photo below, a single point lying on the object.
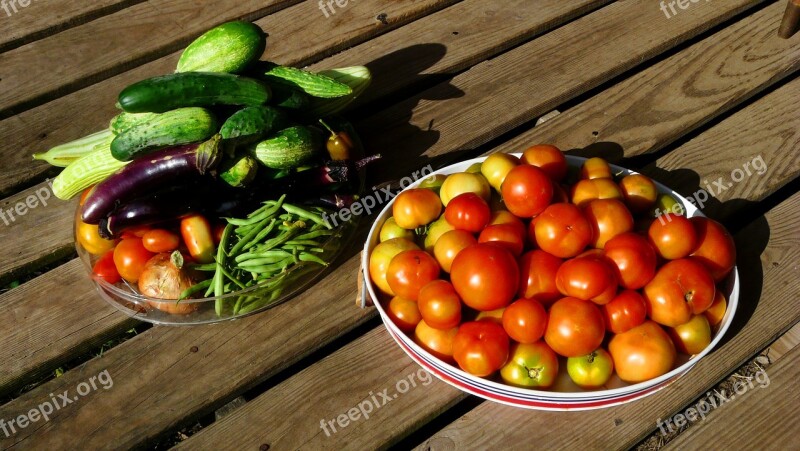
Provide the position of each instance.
(243, 431)
(743, 423)
(40, 19)
(285, 417)
(42, 127)
(651, 109)
(297, 335)
(66, 326)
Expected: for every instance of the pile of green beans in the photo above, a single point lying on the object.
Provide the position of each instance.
(263, 249)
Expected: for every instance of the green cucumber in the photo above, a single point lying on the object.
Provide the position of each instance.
(180, 126)
(229, 47)
(64, 154)
(124, 121)
(187, 89)
(289, 148)
(310, 83)
(252, 123)
(84, 172)
(357, 77)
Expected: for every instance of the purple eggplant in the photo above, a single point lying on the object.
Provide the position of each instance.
(149, 174)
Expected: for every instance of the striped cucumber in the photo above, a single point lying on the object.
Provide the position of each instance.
(357, 77)
(229, 47)
(187, 89)
(181, 126)
(289, 148)
(315, 85)
(124, 121)
(252, 123)
(86, 171)
(64, 154)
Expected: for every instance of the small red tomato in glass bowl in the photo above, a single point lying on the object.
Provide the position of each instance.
(520, 274)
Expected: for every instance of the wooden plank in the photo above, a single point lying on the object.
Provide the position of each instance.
(42, 127)
(651, 109)
(121, 41)
(289, 415)
(29, 254)
(762, 417)
(62, 330)
(207, 393)
(39, 19)
(306, 429)
(623, 426)
(786, 343)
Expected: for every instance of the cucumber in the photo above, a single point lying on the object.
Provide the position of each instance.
(64, 154)
(312, 84)
(124, 121)
(84, 172)
(357, 77)
(289, 148)
(181, 126)
(252, 123)
(289, 98)
(187, 89)
(229, 47)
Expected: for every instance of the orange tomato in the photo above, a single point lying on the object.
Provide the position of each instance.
(673, 236)
(589, 189)
(537, 270)
(416, 207)
(130, 258)
(527, 191)
(715, 247)
(639, 191)
(437, 342)
(449, 245)
(506, 217)
(409, 271)
(595, 168)
(574, 327)
(404, 313)
(485, 276)
(548, 158)
(589, 278)
(380, 258)
(88, 236)
(480, 347)
(160, 240)
(524, 320)
(440, 305)
(561, 230)
(680, 289)
(693, 336)
(634, 257)
(608, 218)
(642, 353)
(716, 312)
(504, 235)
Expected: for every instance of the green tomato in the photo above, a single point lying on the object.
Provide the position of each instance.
(666, 204)
(436, 230)
(433, 182)
(592, 370)
(390, 230)
(465, 182)
(530, 366)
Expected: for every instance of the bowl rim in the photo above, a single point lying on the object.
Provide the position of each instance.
(521, 394)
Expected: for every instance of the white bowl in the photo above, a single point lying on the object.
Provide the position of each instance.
(564, 395)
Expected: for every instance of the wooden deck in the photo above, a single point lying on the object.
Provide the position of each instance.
(687, 100)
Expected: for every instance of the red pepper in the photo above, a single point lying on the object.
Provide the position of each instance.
(198, 237)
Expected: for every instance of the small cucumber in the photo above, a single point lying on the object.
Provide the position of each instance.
(312, 84)
(289, 148)
(181, 126)
(252, 123)
(64, 154)
(357, 77)
(229, 47)
(124, 121)
(187, 89)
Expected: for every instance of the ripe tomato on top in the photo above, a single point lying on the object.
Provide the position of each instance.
(485, 276)
(527, 191)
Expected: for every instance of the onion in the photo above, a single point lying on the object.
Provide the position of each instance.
(164, 278)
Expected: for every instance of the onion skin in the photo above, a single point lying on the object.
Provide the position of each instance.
(161, 279)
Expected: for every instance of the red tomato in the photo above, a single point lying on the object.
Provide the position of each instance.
(592, 370)
(130, 256)
(468, 212)
(409, 271)
(561, 230)
(715, 247)
(527, 191)
(626, 311)
(608, 218)
(680, 289)
(480, 347)
(634, 257)
(588, 278)
(449, 245)
(716, 312)
(404, 313)
(673, 236)
(160, 240)
(586, 190)
(506, 217)
(530, 365)
(440, 305)
(537, 270)
(691, 337)
(595, 168)
(380, 258)
(642, 353)
(485, 276)
(438, 342)
(524, 320)
(547, 158)
(574, 328)
(416, 207)
(105, 268)
(639, 191)
(505, 235)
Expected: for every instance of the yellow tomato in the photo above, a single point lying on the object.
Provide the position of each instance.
(416, 207)
(465, 182)
(436, 230)
(496, 166)
(89, 238)
(390, 230)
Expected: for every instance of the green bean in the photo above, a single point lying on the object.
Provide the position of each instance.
(194, 289)
(266, 214)
(304, 242)
(261, 235)
(218, 274)
(262, 261)
(313, 234)
(265, 268)
(280, 239)
(232, 278)
(305, 214)
(263, 254)
(306, 257)
(206, 267)
(249, 237)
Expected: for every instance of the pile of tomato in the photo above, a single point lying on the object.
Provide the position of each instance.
(518, 264)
